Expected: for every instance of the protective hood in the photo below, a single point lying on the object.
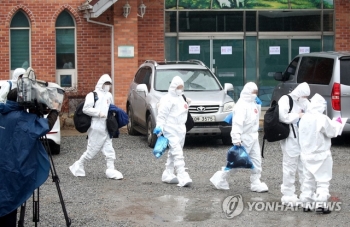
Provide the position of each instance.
(246, 93)
(174, 84)
(317, 104)
(9, 106)
(17, 73)
(301, 90)
(103, 79)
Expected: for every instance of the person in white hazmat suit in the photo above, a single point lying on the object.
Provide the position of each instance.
(290, 146)
(98, 137)
(315, 133)
(5, 88)
(245, 125)
(171, 119)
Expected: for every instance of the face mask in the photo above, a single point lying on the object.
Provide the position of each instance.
(178, 92)
(106, 88)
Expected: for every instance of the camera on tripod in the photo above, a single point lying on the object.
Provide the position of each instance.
(34, 94)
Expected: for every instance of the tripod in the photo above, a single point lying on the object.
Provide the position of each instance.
(36, 193)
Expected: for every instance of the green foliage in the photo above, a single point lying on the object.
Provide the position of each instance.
(170, 4)
(194, 4)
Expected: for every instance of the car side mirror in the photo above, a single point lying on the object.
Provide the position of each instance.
(142, 88)
(228, 87)
(280, 77)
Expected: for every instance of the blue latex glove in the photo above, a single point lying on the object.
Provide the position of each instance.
(258, 101)
(157, 131)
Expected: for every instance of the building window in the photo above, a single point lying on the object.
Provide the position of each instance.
(65, 50)
(20, 40)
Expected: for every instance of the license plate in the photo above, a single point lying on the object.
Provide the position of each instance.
(204, 118)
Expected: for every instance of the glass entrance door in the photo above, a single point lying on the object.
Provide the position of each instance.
(275, 55)
(223, 56)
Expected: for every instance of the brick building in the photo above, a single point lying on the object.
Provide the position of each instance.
(74, 42)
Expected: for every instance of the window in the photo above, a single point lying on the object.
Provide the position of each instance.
(143, 76)
(65, 50)
(315, 70)
(345, 71)
(20, 40)
(290, 71)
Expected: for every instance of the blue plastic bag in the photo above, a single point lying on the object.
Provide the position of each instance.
(237, 157)
(160, 146)
(228, 118)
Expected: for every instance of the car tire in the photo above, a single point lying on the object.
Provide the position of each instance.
(226, 140)
(151, 138)
(131, 125)
(55, 148)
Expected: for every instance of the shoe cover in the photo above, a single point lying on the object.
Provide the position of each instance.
(114, 174)
(77, 169)
(259, 187)
(290, 200)
(237, 157)
(219, 180)
(169, 177)
(184, 179)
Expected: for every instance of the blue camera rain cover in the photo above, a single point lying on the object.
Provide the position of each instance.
(237, 157)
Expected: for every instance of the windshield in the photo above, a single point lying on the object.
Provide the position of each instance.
(194, 80)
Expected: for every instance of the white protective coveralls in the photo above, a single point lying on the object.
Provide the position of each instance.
(5, 88)
(98, 137)
(171, 118)
(245, 125)
(315, 133)
(290, 146)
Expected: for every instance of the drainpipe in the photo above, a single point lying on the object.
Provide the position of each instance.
(112, 45)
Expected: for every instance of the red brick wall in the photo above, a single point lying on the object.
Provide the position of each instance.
(342, 25)
(93, 42)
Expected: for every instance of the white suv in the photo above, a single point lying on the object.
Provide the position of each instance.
(210, 101)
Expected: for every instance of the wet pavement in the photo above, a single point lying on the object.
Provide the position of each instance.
(141, 199)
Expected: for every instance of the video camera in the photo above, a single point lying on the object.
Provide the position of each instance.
(33, 93)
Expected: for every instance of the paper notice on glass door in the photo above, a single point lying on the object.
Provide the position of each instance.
(194, 49)
(226, 50)
(304, 50)
(274, 50)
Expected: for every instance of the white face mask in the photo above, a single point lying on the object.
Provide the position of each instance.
(106, 88)
(179, 92)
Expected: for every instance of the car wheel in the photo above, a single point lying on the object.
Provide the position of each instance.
(55, 148)
(151, 138)
(131, 125)
(226, 140)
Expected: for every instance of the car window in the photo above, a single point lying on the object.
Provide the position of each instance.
(143, 76)
(315, 70)
(194, 80)
(140, 75)
(290, 71)
(345, 72)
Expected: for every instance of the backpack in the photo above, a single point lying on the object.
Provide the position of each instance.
(190, 121)
(82, 122)
(274, 130)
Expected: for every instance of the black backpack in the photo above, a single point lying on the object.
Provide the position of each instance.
(274, 130)
(82, 122)
(190, 121)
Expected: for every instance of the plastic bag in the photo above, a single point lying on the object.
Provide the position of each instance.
(160, 146)
(237, 157)
(228, 118)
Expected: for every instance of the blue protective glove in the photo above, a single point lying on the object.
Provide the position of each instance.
(258, 101)
(157, 131)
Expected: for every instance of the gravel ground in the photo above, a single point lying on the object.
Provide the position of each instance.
(141, 199)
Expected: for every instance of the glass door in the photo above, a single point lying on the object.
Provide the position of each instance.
(195, 49)
(273, 57)
(223, 56)
(299, 46)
